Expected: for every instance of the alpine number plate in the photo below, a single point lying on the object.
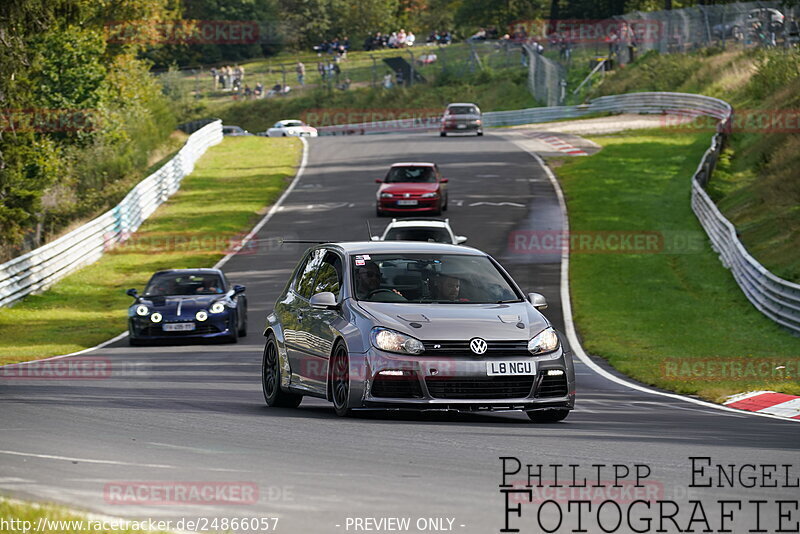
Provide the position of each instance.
(178, 327)
(495, 368)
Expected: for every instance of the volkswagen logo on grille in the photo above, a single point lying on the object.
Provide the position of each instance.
(478, 345)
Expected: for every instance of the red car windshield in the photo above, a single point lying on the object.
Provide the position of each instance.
(398, 175)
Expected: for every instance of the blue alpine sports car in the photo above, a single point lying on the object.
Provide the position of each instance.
(188, 303)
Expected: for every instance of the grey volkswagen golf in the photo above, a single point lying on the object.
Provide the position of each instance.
(413, 325)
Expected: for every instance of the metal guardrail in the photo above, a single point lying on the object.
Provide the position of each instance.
(775, 297)
(40, 268)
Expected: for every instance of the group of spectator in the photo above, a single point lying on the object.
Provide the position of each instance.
(398, 39)
(337, 48)
(439, 38)
(227, 78)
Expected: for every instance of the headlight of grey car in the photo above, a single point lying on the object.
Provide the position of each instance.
(544, 342)
(391, 341)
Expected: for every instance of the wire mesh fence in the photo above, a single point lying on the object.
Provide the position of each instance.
(578, 47)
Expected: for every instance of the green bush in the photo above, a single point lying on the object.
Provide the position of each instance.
(776, 70)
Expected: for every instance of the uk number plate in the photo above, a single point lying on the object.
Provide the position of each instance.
(496, 368)
(178, 327)
(406, 202)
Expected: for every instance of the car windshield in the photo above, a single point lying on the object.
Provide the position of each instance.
(291, 123)
(410, 174)
(436, 235)
(430, 278)
(462, 110)
(183, 284)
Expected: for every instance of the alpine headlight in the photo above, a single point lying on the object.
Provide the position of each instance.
(430, 195)
(391, 341)
(142, 310)
(545, 341)
(156, 317)
(201, 315)
(217, 307)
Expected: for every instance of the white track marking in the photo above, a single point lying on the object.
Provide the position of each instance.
(84, 460)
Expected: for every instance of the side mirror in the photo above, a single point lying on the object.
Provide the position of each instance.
(378, 181)
(444, 180)
(323, 301)
(375, 238)
(132, 293)
(461, 239)
(538, 301)
(238, 289)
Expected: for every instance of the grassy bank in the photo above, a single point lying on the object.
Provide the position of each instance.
(23, 518)
(756, 184)
(216, 203)
(491, 90)
(672, 317)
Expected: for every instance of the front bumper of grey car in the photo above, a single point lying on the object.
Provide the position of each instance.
(462, 382)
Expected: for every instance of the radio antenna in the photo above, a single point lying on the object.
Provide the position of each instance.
(369, 230)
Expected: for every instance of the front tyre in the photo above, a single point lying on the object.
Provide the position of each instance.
(271, 379)
(548, 416)
(340, 380)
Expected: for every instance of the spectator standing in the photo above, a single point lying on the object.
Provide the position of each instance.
(300, 69)
(214, 77)
(321, 69)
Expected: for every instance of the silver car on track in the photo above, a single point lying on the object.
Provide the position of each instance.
(413, 325)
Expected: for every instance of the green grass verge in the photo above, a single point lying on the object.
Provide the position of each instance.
(755, 185)
(672, 318)
(224, 196)
(23, 518)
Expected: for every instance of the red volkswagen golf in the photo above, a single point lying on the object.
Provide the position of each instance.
(412, 188)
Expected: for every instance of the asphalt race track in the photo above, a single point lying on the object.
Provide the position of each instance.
(195, 413)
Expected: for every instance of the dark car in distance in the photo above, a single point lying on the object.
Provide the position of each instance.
(412, 188)
(461, 118)
(187, 303)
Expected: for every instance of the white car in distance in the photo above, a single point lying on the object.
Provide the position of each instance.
(419, 229)
(291, 128)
